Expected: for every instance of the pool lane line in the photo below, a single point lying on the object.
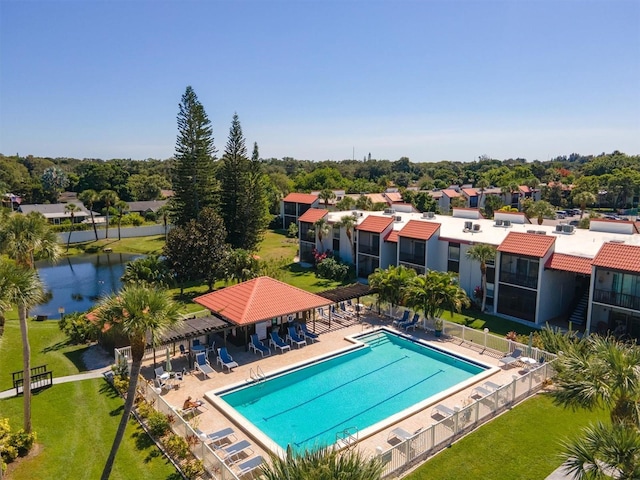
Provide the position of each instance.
(334, 389)
(333, 428)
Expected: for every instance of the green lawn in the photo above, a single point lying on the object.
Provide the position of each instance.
(75, 424)
(144, 245)
(522, 444)
(496, 325)
(48, 346)
(277, 245)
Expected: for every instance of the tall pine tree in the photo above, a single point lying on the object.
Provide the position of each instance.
(194, 181)
(243, 202)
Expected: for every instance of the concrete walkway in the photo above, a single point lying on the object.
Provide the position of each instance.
(70, 378)
(560, 474)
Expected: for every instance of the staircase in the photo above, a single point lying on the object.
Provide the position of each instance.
(579, 314)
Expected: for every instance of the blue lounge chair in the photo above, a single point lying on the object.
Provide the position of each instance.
(277, 342)
(293, 337)
(224, 359)
(249, 466)
(203, 365)
(405, 318)
(231, 452)
(257, 346)
(413, 323)
(307, 334)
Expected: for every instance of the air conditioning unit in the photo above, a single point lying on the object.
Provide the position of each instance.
(506, 223)
(541, 232)
(559, 228)
(389, 211)
(531, 231)
(498, 223)
(476, 227)
(428, 214)
(398, 218)
(568, 229)
(468, 226)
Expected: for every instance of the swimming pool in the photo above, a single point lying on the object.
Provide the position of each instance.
(387, 374)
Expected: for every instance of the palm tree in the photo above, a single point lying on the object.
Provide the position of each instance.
(322, 229)
(88, 198)
(602, 372)
(349, 223)
(583, 199)
(109, 197)
(72, 208)
(491, 204)
(27, 237)
(391, 284)
(122, 207)
(482, 252)
(135, 311)
(21, 286)
(323, 463)
(434, 292)
(539, 210)
(482, 185)
(326, 195)
(148, 271)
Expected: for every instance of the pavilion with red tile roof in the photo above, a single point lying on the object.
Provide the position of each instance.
(528, 244)
(258, 300)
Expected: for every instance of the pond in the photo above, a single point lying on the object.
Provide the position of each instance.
(77, 283)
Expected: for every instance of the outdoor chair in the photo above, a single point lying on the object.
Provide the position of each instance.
(491, 386)
(226, 434)
(203, 365)
(403, 319)
(160, 373)
(413, 323)
(277, 342)
(225, 360)
(306, 333)
(231, 452)
(257, 346)
(183, 350)
(443, 411)
(401, 434)
(512, 358)
(248, 466)
(293, 337)
(161, 385)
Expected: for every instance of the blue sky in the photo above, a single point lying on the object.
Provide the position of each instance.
(430, 80)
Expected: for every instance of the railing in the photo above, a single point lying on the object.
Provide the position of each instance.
(40, 378)
(519, 280)
(369, 249)
(258, 375)
(617, 299)
(442, 434)
(213, 464)
(411, 258)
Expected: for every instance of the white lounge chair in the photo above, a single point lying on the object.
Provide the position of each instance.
(511, 358)
(245, 468)
(442, 410)
(231, 452)
(401, 434)
(203, 365)
(491, 386)
(227, 434)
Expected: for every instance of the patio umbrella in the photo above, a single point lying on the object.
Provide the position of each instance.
(530, 344)
(168, 366)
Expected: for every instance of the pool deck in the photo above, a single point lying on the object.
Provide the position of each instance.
(210, 419)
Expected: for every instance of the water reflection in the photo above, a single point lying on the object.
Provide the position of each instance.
(76, 283)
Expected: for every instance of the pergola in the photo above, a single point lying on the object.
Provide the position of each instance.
(261, 299)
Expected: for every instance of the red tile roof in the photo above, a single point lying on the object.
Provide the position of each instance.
(529, 244)
(375, 224)
(470, 192)
(257, 300)
(305, 198)
(313, 215)
(618, 256)
(419, 230)
(392, 236)
(569, 263)
(524, 189)
(394, 196)
(449, 192)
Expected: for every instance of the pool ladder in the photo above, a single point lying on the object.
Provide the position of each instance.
(258, 376)
(347, 438)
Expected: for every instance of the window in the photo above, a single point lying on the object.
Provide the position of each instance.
(336, 239)
(367, 265)
(453, 264)
(518, 270)
(412, 251)
(290, 208)
(307, 233)
(517, 302)
(369, 243)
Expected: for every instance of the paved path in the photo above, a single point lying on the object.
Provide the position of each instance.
(560, 474)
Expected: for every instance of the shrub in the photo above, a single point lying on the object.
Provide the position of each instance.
(78, 328)
(293, 230)
(332, 270)
(193, 468)
(134, 219)
(22, 441)
(158, 424)
(176, 446)
(145, 409)
(13, 445)
(121, 384)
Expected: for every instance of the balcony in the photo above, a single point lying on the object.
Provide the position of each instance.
(618, 299)
(369, 249)
(413, 259)
(519, 279)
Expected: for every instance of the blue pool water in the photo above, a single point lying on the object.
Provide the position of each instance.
(307, 407)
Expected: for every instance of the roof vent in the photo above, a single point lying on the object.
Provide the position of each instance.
(531, 231)
(476, 227)
(615, 240)
(559, 228)
(506, 223)
(428, 215)
(498, 223)
(467, 226)
(389, 211)
(541, 232)
(398, 218)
